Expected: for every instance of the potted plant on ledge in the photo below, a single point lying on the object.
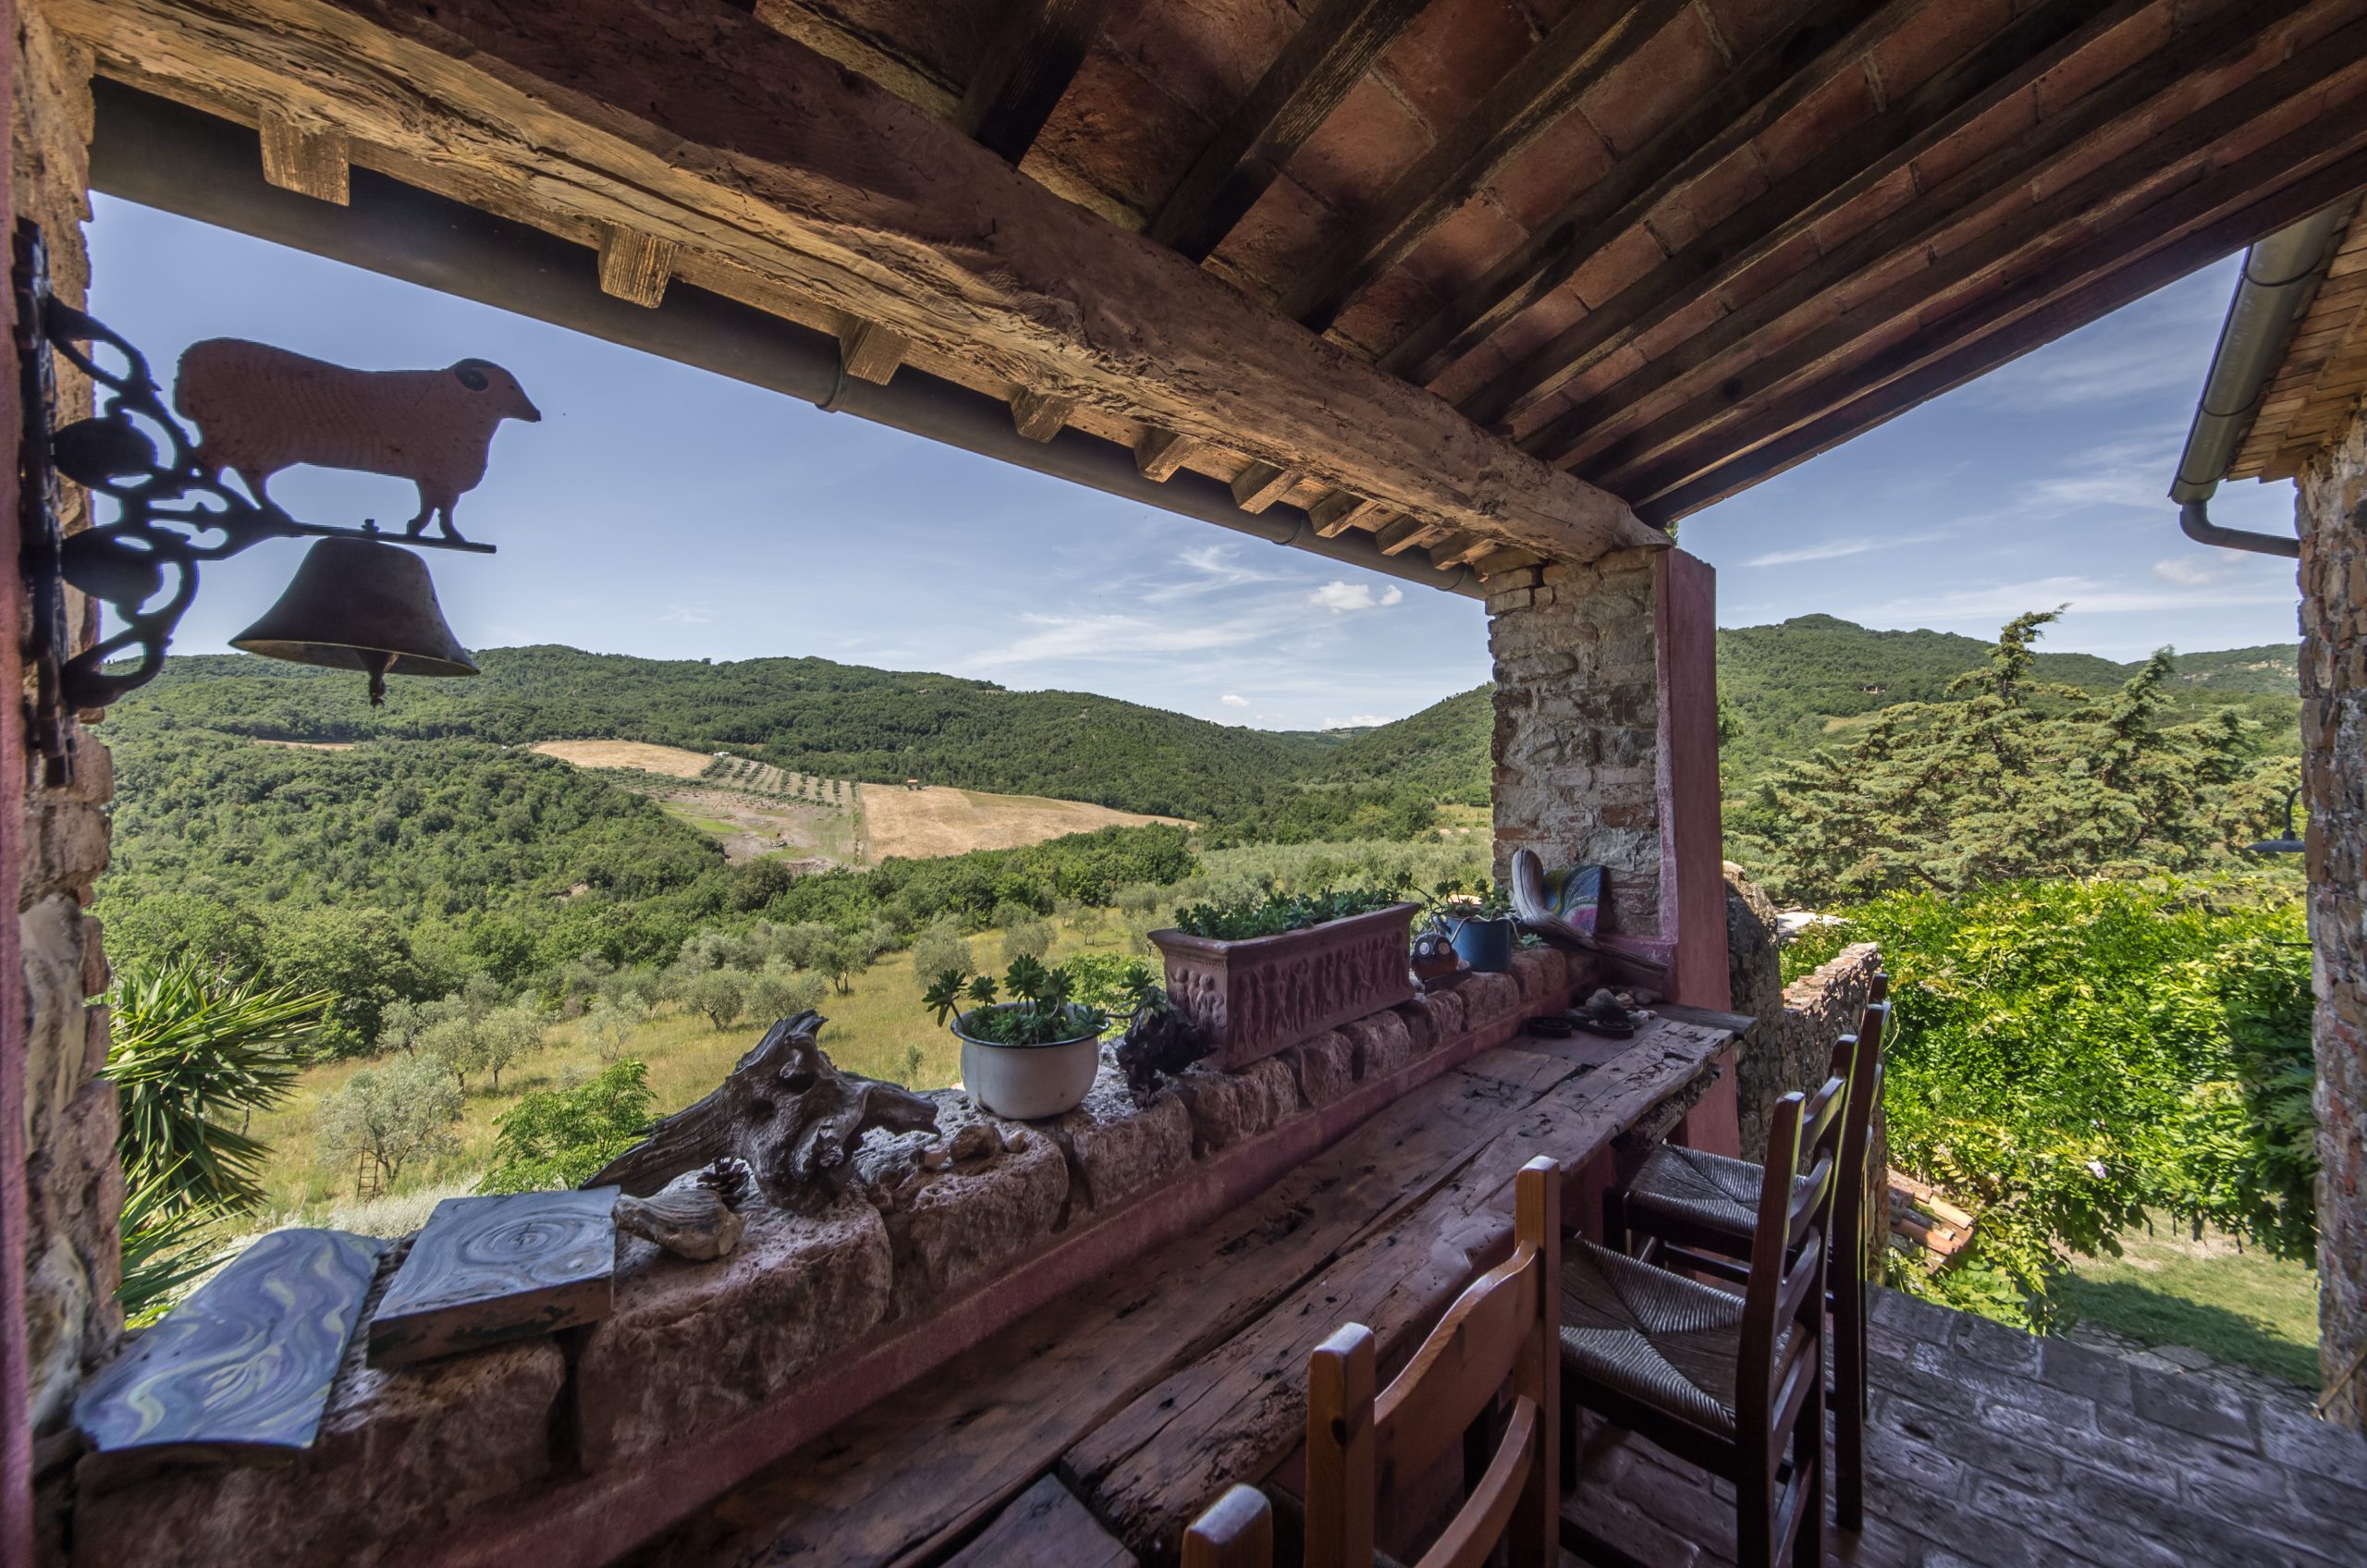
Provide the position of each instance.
(1030, 1056)
(1478, 922)
(1258, 975)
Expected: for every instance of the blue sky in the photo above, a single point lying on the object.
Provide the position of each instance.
(663, 511)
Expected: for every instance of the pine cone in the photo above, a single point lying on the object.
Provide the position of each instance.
(728, 1179)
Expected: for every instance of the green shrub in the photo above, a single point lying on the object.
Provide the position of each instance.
(1239, 919)
(561, 1137)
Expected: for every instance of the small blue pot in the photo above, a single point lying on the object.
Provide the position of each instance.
(1485, 945)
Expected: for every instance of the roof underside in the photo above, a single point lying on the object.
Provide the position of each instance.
(2309, 401)
(1666, 247)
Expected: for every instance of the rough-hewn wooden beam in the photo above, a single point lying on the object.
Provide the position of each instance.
(1458, 550)
(1259, 486)
(1497, 561)
(872, 351)
(2012, 58)
(2026, 316)
(1159, 453)
(796, 187)
(1038, 416)
(1404, 534)
(635, 266)
(1830, 36)
(1340, 511)
(307, 161)
(1033, 57)
(1580, 435)
(1331, 50)
(1593, 39)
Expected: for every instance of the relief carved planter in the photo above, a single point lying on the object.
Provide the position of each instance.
(1265, 994)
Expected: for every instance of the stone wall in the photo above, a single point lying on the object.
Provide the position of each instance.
(898, 1274)
(74, 1190)
(2334, 748)
(1576, 740)
(1792, 1049)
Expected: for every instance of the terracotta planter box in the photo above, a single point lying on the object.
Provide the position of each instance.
(1265, 994)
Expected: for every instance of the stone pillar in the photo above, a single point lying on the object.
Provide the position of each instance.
(1576, 746)
(2333, 782)
(54, 848)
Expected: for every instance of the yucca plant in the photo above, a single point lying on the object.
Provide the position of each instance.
(164, 1246)
(195, 1053)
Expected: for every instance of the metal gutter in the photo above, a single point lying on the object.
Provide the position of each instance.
(2280, 277)
(179, 160)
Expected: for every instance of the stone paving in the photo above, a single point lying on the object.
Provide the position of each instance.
(1991, 1449)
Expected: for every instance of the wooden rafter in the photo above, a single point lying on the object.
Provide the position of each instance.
(1323, 61)
(1582, 434)
(1585, 45)
(1033, 57)
(1259, 486)
(796, 187)
(2024, 317)
(1828, 37)
(2012, 58)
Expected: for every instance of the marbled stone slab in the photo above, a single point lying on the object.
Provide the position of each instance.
(487, 1270)
(242, 1368)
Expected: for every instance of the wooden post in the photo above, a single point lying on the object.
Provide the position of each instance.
(1343, 1382)
(1693, 878)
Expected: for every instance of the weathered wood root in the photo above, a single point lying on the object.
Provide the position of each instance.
(794, 1116)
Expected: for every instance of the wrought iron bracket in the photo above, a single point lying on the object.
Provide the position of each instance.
(175, 513)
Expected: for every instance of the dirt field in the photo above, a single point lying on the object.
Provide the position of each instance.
(672, 761)
(937, 821)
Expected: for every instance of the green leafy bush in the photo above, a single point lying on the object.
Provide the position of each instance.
(387, 1116)
(1279, 912)
(2067, 1054)
(561, 1137)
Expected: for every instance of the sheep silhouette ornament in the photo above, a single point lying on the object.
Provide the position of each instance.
(259, 409)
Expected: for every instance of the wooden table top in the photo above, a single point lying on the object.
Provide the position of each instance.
(1184, 1371)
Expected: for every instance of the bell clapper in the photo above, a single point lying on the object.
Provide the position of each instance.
(377, 663)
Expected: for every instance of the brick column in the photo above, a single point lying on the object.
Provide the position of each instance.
(2334, 780)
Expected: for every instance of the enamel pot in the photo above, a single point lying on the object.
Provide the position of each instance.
(1485, 945)
(1027, 1082)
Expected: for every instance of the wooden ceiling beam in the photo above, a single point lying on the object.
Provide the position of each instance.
(1340, 510)
(1584, 436)
(1033, 58)
(1404, 533)
(1830, 36)
(1328, 56)
(2026, 317)
(1159, 453)
(800, 188)
(309, 162)
(872, 352)
(2008, 61)
(1259, 486)
(635, 266)
(1593, 39)
(1037, 415)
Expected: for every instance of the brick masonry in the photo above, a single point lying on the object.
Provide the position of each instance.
(1577, 744)
(2334, 744)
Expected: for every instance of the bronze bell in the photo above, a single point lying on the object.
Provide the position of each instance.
(356, 603)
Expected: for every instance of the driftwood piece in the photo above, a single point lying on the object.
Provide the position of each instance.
(487, 1270)
(1159, 1041)
(242, 1370)
(786, 1109)
(687, 1218)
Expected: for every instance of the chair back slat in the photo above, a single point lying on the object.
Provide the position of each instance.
(1853, 1200)
(1471, 1535)
(1237, 1531)
(1504, 1328)
(1788, 1248)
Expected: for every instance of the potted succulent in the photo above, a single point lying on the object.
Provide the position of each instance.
(1478, 922)
(1033, 1054)
(1258, 975)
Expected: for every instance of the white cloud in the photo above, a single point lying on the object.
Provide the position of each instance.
(1212, 567)
(687, 615)
(1340, 597)
(1355, 721)
(1232, 701)
(2000, 602)
(1113, 637)
(2191, 571)
(2117, 473)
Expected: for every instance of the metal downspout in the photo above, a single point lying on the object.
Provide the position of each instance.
(2280, 277)
(179, 160)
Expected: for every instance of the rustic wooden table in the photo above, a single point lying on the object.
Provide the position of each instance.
(1185, 1370)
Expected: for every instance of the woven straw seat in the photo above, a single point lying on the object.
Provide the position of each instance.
(1709, 1190)
(1653, 1335)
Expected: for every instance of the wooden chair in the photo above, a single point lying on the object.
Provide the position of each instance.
(1237, 1531)
(1694, 1212)
(1361, 1443)
(1723, 1382)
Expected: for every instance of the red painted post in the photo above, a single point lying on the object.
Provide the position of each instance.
(1693, 880)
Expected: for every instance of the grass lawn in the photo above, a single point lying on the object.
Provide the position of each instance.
(2241, 1307)
(873, 1030)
